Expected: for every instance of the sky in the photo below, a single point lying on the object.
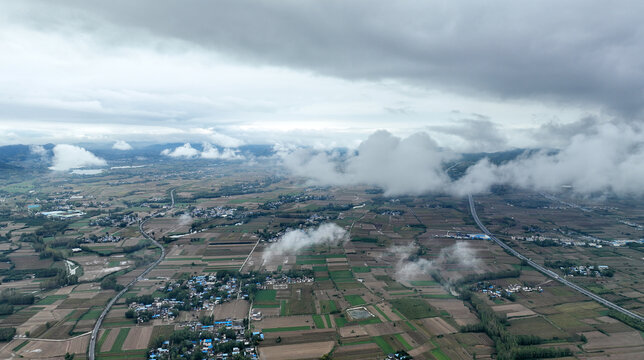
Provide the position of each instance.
(474, 75)
(406, 87)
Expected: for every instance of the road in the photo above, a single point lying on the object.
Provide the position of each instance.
(549, 272)
(97, 326)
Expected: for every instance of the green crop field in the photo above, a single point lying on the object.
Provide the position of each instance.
(102, 339)
(120, 339)
(413, 308)
(439, 355)
(382, 313)
(265, 296)
(341, 275)
(319, 322)
(50, 299)
(355, 300)
(328, 306)
(361, 269)
(383, 344)
(404, 342)
(92, 314)
(327, 317)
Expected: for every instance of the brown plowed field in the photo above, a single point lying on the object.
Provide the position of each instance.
(138, 338)
(300, 351)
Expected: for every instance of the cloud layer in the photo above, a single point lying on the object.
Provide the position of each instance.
(186, 151)
(577, 52)
(609, 160)
(400, 166)
(606, 159)
(68, 157)
(293, 241)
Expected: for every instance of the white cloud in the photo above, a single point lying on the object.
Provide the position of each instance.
(409, 267)
(210, 152)
(606, 161)
(413, 165)
(295, 240)
(121, 145)
(38, 150)
(184, 151)
(73, 157)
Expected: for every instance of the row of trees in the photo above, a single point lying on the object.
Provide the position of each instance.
(508, 346)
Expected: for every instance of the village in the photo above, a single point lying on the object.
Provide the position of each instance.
(494, 291)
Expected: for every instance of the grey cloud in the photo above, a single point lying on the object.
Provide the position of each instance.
(412, 165)
(574, 52)
(479, 133)
(608, 160)
(556, 135)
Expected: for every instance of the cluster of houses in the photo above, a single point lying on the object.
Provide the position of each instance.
(224, 339)
(517, 288)
(62, 214)
(584, 270)
(115, 220)
(165, 309)
(214, 212)
(463, 236)
(282, 281)
(201, 285)
(400, 355)
(107, 238)
(496, 291)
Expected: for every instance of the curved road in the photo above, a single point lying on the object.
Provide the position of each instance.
(92, 341)
(548, 272)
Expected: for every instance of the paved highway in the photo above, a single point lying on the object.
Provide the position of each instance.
(92, 341)
(549, 272)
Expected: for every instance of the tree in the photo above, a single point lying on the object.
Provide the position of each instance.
(6, 334)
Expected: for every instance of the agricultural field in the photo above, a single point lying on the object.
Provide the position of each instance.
(406, 268)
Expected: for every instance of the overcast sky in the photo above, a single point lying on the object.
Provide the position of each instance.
(475, 75)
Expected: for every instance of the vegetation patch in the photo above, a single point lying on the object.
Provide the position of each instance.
(413, 308)
(288, 328)
(439, 355)
(384, 345)
(51, 299)
(319, 323)
(120, 339)
(20, 346)
(404, 342)
(328, 306)
(355, 300)
(361, 269)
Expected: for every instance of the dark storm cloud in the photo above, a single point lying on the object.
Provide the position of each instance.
(584, 53)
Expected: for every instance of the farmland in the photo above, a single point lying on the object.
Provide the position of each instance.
(223, 213)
